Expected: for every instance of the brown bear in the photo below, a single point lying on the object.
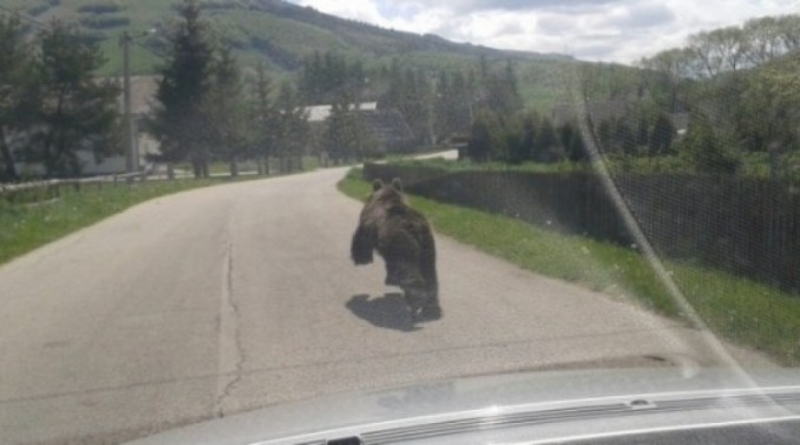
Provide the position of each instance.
(403, 237)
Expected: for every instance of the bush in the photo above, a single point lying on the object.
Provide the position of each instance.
(704, 150)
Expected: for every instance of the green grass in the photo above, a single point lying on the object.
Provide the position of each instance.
(24, 228)
(299, 33)
(741, 310)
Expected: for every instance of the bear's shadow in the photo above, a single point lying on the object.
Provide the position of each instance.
(389, 311)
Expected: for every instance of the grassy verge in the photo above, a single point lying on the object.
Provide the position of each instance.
(741, 310)
(25, 227)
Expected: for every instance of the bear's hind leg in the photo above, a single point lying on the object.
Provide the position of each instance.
(393, 274)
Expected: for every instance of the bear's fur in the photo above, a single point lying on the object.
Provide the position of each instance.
(403, 238)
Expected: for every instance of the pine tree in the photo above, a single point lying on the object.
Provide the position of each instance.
(703, 149)
(265, 121)
(75, 109)
(292, 128)
(224, 110)
(547, 148)
(178, 121)
(484, 137)
(14, 62)
(663, 134)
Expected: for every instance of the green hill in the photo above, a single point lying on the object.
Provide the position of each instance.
(275, 31)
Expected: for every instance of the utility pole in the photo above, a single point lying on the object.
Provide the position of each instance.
(131, 162)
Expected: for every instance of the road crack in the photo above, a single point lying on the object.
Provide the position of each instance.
(231, 352)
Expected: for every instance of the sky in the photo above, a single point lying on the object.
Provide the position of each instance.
(620, 31)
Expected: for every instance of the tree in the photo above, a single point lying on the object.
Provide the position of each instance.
(642, 132)
(452, 104)
(625, 138)
(75, 110)
(178, 120)
(264, 121)
(764, 39)
(702, 148)
(666, 75)
(572, 141)
(512, 149)
(224, 110)
(663, 134)
(324, 77)
(411, 92)
(485, 136)
(346, 136)
(771, 109)
(547, 148)
(604, 136)
(292, 127)
(576, 148)
(334, 133)
(14, 62)
(502, 92)
(530, 124)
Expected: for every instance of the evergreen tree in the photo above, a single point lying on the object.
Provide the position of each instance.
(642, 132)
(76, 110)
(15, 66)
(663, 134)
(484, 136)
(529, 137)
(292, 128)
(547, 147)
(703, 149)
(178, 121)
(625, 138)
(264, 121)
(225, 111)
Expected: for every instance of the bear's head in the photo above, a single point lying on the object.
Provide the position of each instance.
(386, 194)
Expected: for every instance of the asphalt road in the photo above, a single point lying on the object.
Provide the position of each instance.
(225, 299)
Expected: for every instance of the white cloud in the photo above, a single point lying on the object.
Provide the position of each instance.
(608, 30)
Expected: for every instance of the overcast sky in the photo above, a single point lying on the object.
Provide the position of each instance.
(599, 30)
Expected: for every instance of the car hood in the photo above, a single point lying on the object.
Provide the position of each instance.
(510, 402)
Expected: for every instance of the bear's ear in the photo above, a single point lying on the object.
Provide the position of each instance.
(377, 185)
(397, 185)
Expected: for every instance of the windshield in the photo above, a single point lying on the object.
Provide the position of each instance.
(211, 207)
